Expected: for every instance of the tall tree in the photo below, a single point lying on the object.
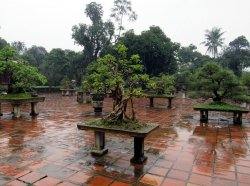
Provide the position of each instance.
(19, 47)
(3, 43)
(213, 40)
(38, 52)
(157, 52)
(122, 8)
(30, 58)
(55, 66)
(76, 64)
(93, 37)
(190, 59)
(237, 55)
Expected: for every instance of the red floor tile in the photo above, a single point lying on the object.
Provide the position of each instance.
(100, 181)
(181, 146)
(66, 184)
(182, 166)
(16, 173)
(36, 165)
(118, 183)
(158, 171)
(172, 182)
(6, 169)
(16, 183)
(179, 175)
(221, 182)
(80, 177)
(202, 170)
(245, 178)
(32, 177)
(47, 181)
(164, 163)
(151, 179)
(224, 174)
(200, 180)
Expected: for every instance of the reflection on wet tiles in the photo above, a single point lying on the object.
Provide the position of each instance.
(51, 144)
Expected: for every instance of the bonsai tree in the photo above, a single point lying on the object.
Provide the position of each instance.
(21, 76)
(220, 83)
(245, 79)
(162, 84)
(114, 73)
(66, 83)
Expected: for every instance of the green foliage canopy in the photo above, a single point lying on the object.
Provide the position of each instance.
(219, 82)
(21, 76)
(213, 40)
(118, 75)
(157, 52)
(161, 84)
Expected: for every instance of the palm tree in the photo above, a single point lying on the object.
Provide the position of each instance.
(213, 40)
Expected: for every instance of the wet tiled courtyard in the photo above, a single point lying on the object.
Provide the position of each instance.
(49, 150)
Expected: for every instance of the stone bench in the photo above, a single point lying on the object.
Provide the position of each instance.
(68, 92)
(99, 137)
(237, 111)
(17, 102)
(168, 97)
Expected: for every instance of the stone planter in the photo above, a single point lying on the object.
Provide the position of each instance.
(97, 101)
(139, 136)
(79, 98)
(88, 97)
(68, 92)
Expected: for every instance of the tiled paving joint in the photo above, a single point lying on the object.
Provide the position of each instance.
(49, 150)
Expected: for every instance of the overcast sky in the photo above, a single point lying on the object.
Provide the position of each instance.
(48, 23)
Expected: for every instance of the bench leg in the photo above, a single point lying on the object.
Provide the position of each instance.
(138, 151)
(151, 102)
(80, 97)
(203, 115)
(99, 148)
(237, 118)
(16, 111)
(169, 103)
(34, 111)
(67, 93)
(1, 109)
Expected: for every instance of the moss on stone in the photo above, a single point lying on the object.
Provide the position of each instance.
(15, 96)
(127, 126)
(219, 106)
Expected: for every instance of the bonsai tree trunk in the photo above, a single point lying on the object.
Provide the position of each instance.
(119, 107)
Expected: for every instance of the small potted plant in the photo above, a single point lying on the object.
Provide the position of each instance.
(67, 87)
(87, 89)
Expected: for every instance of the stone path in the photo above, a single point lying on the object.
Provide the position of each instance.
(49, 150)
